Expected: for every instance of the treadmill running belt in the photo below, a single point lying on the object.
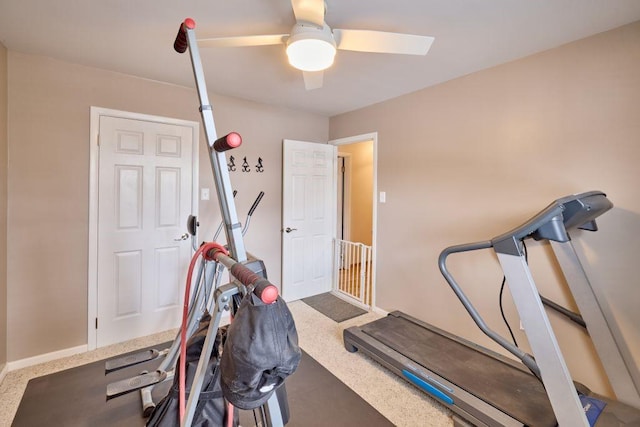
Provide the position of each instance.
(511, 390)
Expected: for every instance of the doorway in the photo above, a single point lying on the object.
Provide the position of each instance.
(354, 247)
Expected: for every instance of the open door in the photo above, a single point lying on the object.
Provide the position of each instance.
(308, 218)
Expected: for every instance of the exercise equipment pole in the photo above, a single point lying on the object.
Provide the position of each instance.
(237, 255)
(217, 146)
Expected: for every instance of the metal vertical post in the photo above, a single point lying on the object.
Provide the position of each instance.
(233, 228)
(553, 369)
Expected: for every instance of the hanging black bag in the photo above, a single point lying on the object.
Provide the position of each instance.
(260, 351)
(211, 409)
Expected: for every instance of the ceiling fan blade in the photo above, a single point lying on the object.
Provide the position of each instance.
(310, 11)
(382, 42)
(242, 41)
(313, 79)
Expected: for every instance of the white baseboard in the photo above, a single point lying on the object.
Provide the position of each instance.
(355, 302)
(349, 299)
(3, 372)
(42, 358)
(380, 311)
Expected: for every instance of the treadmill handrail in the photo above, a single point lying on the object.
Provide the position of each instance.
(525, 358)
(582, 210)
(553, 222)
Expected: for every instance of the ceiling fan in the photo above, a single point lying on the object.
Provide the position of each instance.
(311, 45)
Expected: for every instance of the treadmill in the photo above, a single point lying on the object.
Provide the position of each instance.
(484, 388)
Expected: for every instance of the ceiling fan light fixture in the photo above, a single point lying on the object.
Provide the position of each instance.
(311, 48)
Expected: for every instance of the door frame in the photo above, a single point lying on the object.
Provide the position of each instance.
(94, 161)
(345, 193)
(373, 136)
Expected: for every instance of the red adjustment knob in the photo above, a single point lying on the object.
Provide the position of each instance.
(190, 23)
(269, 294)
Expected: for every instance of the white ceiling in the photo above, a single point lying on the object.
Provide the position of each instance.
(136, 37)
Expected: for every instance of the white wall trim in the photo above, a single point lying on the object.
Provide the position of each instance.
(92, 279)
(378, 310)
(43, 358)
(373, 136)
(351, 300)
(3, 372)
(347, 195)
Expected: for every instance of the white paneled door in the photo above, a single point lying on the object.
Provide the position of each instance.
(145, 194)
(308, 218)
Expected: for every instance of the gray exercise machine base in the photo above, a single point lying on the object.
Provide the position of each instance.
(497, 390)
(474, 402)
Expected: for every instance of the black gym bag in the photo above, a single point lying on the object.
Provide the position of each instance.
(260, 351)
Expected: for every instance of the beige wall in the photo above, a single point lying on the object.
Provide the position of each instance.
(361, 220)
(469, 159)
(3, 206)
(49, 117)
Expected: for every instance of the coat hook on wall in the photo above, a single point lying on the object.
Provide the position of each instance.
(259, 166)
(232, 164)
(245, 166)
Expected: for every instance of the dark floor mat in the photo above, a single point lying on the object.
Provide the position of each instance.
(76, 398)
(333, 307)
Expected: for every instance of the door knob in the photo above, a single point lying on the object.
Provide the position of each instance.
(185, 236)
(289, 229)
